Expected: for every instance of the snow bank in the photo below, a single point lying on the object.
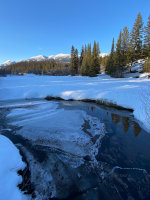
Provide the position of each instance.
(130, 93)
(135, 70)
(10, 163)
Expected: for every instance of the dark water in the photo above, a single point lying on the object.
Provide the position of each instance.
(121, 171)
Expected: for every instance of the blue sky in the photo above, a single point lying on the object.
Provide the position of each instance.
(33, 27)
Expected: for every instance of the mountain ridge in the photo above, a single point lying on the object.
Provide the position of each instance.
(64, 58)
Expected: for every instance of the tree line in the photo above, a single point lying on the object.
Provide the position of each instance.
(130, 47)
(37, 67)
(88, 63)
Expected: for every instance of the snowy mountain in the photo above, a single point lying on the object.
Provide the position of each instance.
(37, 58)
(6, 63)
(63, 58)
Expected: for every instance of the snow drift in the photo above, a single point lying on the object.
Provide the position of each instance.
(10, 163)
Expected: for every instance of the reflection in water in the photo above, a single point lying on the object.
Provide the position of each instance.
(136, 128)
(115, 118)
(125, 123)
(92, 108)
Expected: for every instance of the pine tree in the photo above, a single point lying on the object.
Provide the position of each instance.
(82, 55)
(147, 39)
(89, 59)
(98, 58)
(85, 49)
(147, 65)
(74, 61)
(84, 66)
(118, 57)
(94, 68)
(131, 54)
(86, 63)
(110, 61)
(136, 37)
(125, 46)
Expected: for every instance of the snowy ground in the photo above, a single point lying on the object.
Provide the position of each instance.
(10, 163)
(131, 93)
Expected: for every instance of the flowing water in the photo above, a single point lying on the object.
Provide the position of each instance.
(78, 151)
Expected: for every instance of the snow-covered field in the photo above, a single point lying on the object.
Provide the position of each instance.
(10, 163)
(133, 93)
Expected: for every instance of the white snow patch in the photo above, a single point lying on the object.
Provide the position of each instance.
(37, 58)
(10, 163)
(7, 63)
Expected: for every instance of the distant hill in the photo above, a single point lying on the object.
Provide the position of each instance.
(63, 58)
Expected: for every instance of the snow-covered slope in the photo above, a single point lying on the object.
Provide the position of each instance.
(37, 58)
(138, 66)
(64, 58)
(7, 63)
(10, 163)
(135, 70)
(133, 93)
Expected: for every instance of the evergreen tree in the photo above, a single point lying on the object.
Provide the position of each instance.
(110, 61)
(84, 66)
(85, 49)
(86, 63)
(136, 37)
(125, 46)
(118, 58)
(147, 39)
(147, 65)
(94, 67)
(89, 59)
(98, 58)
(131, 54)
(82, 55)
(74, 61)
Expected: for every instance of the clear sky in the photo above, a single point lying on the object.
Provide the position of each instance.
(32, 27)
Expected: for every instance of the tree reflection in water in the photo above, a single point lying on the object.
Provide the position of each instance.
(115, 118)
(125, 124)
(136, 129)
